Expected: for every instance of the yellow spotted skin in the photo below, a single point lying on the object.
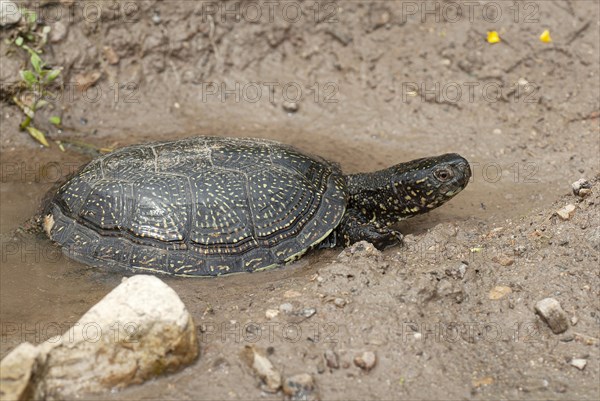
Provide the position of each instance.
(407, 189)
(202, 206)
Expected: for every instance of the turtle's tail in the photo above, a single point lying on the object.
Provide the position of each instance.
(35, 224)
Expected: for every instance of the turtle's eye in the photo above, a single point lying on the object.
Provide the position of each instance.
(443, 174)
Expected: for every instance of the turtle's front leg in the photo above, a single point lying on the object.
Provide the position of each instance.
(354, 227)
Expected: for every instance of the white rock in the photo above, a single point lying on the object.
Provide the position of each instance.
(58, 32)
(9, 13)
(263, 368)
(290, 107)
(340, 302)
(271, 313)
(578, 363)
(139, 330)
(286, 307)
(16, 370)
(566, 212)
(553, 314)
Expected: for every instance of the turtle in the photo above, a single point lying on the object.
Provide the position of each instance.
(209, 206)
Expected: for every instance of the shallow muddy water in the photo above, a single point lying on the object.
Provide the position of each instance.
(41, 288)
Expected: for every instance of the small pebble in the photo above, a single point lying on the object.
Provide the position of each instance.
(457, 272)
(286, 307)
(519, 250)
(499, 292)
(271, 313)
(291, 294)
(263, 368)
(362, 249)
(366, 360)
(574, 320)
(553, 314)
(307, 312)
(504, 260)
(300, 387)
(86, 80)
(156, 18)
(340, 302)
(58, 32)
(290, 107)
(484, 381)
(332, 359)
(579, 363)
(110, 55)
(566, 212)
(320, 366)
(581, 187)
(9, 13)
(497, 131)
(567, 338)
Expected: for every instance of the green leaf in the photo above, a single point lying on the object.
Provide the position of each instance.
(28, 112)
(36, 62)
(28, 77)
(52, 75)
(31, 17)
(19, 41)
(38, 135)
(40, 103)
(54, 120)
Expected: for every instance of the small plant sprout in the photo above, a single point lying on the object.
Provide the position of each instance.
(37, 79)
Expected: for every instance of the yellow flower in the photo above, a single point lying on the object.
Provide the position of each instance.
(545, 36)
(493, 37)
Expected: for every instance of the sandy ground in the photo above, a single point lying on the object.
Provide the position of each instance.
(374, 84)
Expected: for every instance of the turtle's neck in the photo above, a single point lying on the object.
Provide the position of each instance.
(373, 195)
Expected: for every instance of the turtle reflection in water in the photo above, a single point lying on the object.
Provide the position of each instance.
(207, 206)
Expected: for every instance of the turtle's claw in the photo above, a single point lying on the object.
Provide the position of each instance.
(382, 237)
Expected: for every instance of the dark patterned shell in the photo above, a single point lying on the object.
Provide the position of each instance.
(199, 206)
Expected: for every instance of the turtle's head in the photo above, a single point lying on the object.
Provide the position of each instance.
(424, 184)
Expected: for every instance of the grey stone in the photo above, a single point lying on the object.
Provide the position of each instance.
(332, 359)
(58, 32)
(286, 307)
(290, 107)
(553, 314)
(300, 387)
(9, 13)
(366, 360)
(263, 368)
(581, 187)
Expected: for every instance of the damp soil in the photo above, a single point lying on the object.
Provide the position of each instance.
(369, 74)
